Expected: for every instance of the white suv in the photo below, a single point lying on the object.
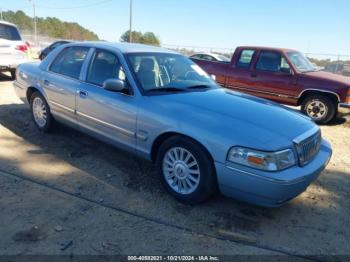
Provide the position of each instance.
(13, 51)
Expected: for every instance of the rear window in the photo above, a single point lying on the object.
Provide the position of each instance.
(9, 32)
(245, 58)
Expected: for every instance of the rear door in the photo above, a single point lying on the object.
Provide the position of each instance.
(109, 114)
(62, 80)
(239, 74)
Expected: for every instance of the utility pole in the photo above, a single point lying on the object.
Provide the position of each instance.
(130, 27)
(1, 14)
(34, 21)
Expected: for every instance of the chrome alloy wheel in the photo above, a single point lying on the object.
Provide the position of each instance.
(181, 170)
(316, 109)
(39, 111)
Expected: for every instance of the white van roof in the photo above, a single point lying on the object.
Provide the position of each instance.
(7, 23)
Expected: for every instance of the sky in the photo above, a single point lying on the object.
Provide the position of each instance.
(312, 26)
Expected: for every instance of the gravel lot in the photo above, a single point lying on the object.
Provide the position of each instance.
(66, 193)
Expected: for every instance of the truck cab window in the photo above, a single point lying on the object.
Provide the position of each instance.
(273, 62)
(245, 58)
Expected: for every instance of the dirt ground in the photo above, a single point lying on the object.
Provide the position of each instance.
(66, 193)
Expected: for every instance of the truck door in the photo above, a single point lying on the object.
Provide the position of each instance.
(273, 78)
(239, 74)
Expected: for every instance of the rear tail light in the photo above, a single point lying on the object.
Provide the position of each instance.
(23, 48)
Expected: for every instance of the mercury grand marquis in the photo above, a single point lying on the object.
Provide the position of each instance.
(160, 105)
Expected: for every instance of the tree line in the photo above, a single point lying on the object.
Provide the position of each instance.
(55, 28)
(49, 26)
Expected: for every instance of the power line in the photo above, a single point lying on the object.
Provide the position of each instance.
(75, 7)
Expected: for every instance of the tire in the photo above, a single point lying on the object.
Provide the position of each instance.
(13, 74)
(204, 184)
(320, 108)
(41, 112)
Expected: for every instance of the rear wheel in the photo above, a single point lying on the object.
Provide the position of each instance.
(320, 108)
(41, 112)
(186, 170)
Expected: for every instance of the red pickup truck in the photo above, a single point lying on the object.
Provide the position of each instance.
(285, 76)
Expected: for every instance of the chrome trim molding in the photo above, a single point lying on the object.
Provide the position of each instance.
(306, 135)
(120, 129)
(62, 106)
(258, 91)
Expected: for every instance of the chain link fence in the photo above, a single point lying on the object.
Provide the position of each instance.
(334, 63)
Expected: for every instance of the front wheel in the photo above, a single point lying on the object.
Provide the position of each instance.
(319, 108)
(41, 112)
(186, 170)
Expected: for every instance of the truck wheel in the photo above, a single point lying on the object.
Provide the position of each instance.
(41, 112)
(186, 170)
(320, 108)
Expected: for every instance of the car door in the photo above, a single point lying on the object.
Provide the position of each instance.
(61, 81)
(273, 78)
(107, 114)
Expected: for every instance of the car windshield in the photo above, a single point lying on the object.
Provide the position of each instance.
(168, 72)
(301, 62)
(9, 32)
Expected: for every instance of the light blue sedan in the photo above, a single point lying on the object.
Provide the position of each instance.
(163, 107)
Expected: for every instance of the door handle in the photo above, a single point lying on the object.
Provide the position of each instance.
(253, 75)
(83, 94)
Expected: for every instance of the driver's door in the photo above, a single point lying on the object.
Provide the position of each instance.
(108, 114)
(273, 78)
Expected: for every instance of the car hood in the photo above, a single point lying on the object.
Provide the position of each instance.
(225, 112)
(322, 75)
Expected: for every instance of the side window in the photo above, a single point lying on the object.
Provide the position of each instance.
(196, 56)
(285, 66)
(208, 58)
(70, 61)
(269, 61)
(105, 65)
(245, 58)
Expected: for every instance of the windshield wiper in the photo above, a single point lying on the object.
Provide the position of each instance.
(167, 89)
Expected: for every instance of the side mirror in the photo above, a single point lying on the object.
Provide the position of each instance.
(114, 85)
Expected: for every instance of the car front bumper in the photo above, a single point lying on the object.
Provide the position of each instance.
(274, 188)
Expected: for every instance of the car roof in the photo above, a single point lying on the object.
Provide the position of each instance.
(124, 47)
(267, 48)
(7, 23)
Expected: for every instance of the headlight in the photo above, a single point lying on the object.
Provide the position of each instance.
(270, 161)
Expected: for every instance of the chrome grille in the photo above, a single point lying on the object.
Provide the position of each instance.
(308, 148)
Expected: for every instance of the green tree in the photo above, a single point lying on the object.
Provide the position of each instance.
(147, 38)
(150, 39)
(49, 26)
(136, 37)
